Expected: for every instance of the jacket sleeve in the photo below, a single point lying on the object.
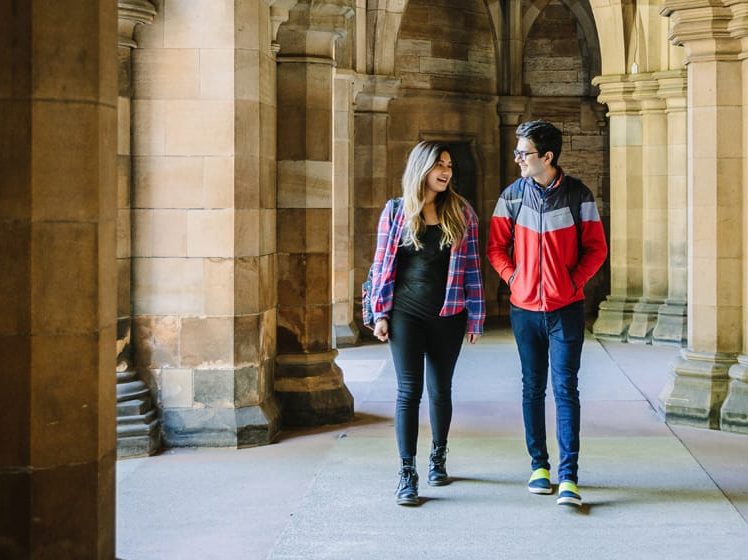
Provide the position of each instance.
(594, 248)
(474, 299)
(500, 238)
(383, 235)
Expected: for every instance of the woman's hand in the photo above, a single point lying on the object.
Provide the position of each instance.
(381, 329)
(472, 338)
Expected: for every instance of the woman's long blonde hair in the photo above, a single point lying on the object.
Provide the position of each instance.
(449, 205)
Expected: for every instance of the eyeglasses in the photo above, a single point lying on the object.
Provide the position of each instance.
(522, 155)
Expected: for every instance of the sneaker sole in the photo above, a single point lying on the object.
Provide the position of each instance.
(540, 490)
(569, 502)
(438, 482)
(407, 501)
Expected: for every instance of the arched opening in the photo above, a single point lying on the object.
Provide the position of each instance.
(560, 58)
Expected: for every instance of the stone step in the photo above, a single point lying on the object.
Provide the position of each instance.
(134, 407)
(132, 390)
(137, 419)
(138, 441)
(127, 376)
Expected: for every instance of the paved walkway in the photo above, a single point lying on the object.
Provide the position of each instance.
(650, 490)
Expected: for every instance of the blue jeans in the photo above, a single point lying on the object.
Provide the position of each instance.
(559, 333)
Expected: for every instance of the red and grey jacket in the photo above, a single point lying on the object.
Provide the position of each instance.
(546, 243)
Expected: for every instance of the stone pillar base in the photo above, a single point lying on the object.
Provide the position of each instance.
(672, 324)
(734, 414)
(697, 389)
(345, 335)
(614, 318)
(311, 391)
(222, 427)
(643, 321)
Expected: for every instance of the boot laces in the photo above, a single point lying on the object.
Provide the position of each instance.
(438, 456)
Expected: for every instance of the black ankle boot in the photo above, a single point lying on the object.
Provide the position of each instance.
(407, 489)
(438, 466)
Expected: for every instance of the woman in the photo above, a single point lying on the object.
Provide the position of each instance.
(426, 295)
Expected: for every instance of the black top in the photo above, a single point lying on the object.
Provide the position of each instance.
(421, 278)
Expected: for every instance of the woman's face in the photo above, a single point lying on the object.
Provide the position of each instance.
(437, 180)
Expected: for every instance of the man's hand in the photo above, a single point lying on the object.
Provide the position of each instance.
(381, 330)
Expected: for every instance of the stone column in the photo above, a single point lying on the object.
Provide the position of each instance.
(308, 382)
(138, 430)
(58, 208)
(715, 184)
(671, 327)
(343, 287)
(512, 111)
(654, 209)
(734, 411)
(370, 172)
(616, 312)
(204, 234)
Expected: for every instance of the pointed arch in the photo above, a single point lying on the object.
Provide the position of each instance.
(384, 19)
(614, 20)
(383, 26)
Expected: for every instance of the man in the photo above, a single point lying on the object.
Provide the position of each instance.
(546, 241)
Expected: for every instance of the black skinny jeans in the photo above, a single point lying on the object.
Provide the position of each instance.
(439, 341)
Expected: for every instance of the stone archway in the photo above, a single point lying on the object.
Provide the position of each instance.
(553, 52)
(614, 21)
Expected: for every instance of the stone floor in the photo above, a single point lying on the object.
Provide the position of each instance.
(650, 490)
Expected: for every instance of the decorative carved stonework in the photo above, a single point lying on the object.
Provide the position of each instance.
(130, 14)
(279, 13)
(702, 28)
(312, 28)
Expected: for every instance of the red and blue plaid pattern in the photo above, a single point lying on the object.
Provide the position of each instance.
(464, 282)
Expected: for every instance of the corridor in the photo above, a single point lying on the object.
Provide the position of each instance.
(650, 490)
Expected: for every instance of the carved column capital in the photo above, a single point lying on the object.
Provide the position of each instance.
(331, 15)
(372, 94)
(311, 28)
(738, 27)
(673, 87)
(511, 109)
(279, 13)
(129, 14)
(702, 27)
(617, 92)
(646, 92)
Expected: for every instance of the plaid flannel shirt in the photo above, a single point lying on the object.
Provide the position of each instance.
(464, 283)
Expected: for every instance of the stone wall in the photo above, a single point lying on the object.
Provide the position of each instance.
(204, 242)
(556, 62)
(440, 48)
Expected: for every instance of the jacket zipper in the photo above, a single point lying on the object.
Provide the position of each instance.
(540, 254)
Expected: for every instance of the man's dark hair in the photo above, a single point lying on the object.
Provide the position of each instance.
(545, 136)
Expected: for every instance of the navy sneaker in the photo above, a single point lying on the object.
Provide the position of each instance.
(568, 494)
(540, 482)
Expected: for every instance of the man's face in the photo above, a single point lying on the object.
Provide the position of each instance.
(532, 165)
